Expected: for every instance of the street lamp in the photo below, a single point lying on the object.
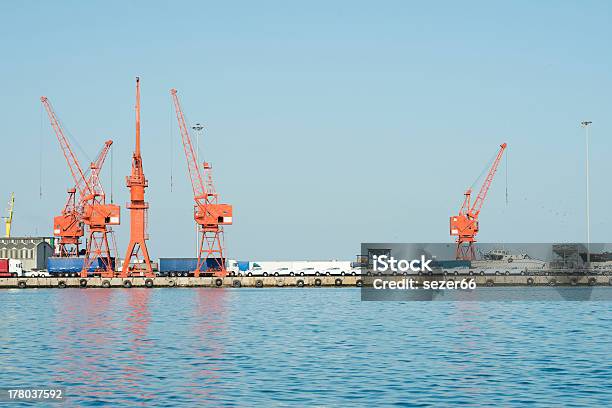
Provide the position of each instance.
(586, 125)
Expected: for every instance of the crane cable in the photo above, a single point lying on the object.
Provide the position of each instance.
(484, 170)
(40, 154)
(171, 143)
(111, 174)
(506, 153)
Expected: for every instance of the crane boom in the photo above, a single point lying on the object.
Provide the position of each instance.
(197, 183)
(484, 189)
(94, 170)
(73, 164)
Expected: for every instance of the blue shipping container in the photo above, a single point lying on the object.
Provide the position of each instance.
(184, 264)
(178, 264)
(70, 265)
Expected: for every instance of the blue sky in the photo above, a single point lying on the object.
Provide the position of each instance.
(328, 123)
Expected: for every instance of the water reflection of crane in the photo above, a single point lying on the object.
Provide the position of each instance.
(211, 334)
(84, 340)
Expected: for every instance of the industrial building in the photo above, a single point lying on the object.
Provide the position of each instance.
(33, 252)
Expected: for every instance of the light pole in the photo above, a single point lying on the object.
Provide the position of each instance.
(198, 130)
(585, 124)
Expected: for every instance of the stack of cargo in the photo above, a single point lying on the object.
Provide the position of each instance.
(183, 266)
(72, 266)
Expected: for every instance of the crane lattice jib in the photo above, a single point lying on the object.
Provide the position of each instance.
(95, 168)
(73, 164)
(484, 189)
(197, 183)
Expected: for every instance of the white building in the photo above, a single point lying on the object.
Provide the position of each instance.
(33, 252)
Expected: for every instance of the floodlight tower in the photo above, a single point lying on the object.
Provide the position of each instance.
(586, 125)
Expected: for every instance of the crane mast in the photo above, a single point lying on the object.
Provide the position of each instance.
(209, 215)
(465, 225)
(8, 220)
(90, 207)
(136, 182)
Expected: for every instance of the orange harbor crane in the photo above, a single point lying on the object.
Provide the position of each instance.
(96, 214)
(69, 225)
(209, 215)
(136, 182)
(465, 225)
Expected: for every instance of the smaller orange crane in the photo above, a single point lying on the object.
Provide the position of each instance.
(465, 225)
(69, 225)
(209, 214)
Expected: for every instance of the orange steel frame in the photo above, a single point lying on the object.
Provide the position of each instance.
(465, 225)
(138, 207)
(69, 225)
(90, 208)
(208, 213)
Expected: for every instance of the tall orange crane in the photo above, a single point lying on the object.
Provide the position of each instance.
(136, 182)
(208, 213)
(68, 226)
(96, 214)
(465, 225)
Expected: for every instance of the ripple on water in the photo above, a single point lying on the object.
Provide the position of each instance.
(323, 347)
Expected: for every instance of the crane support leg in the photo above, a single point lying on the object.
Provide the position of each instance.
(98, 251)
